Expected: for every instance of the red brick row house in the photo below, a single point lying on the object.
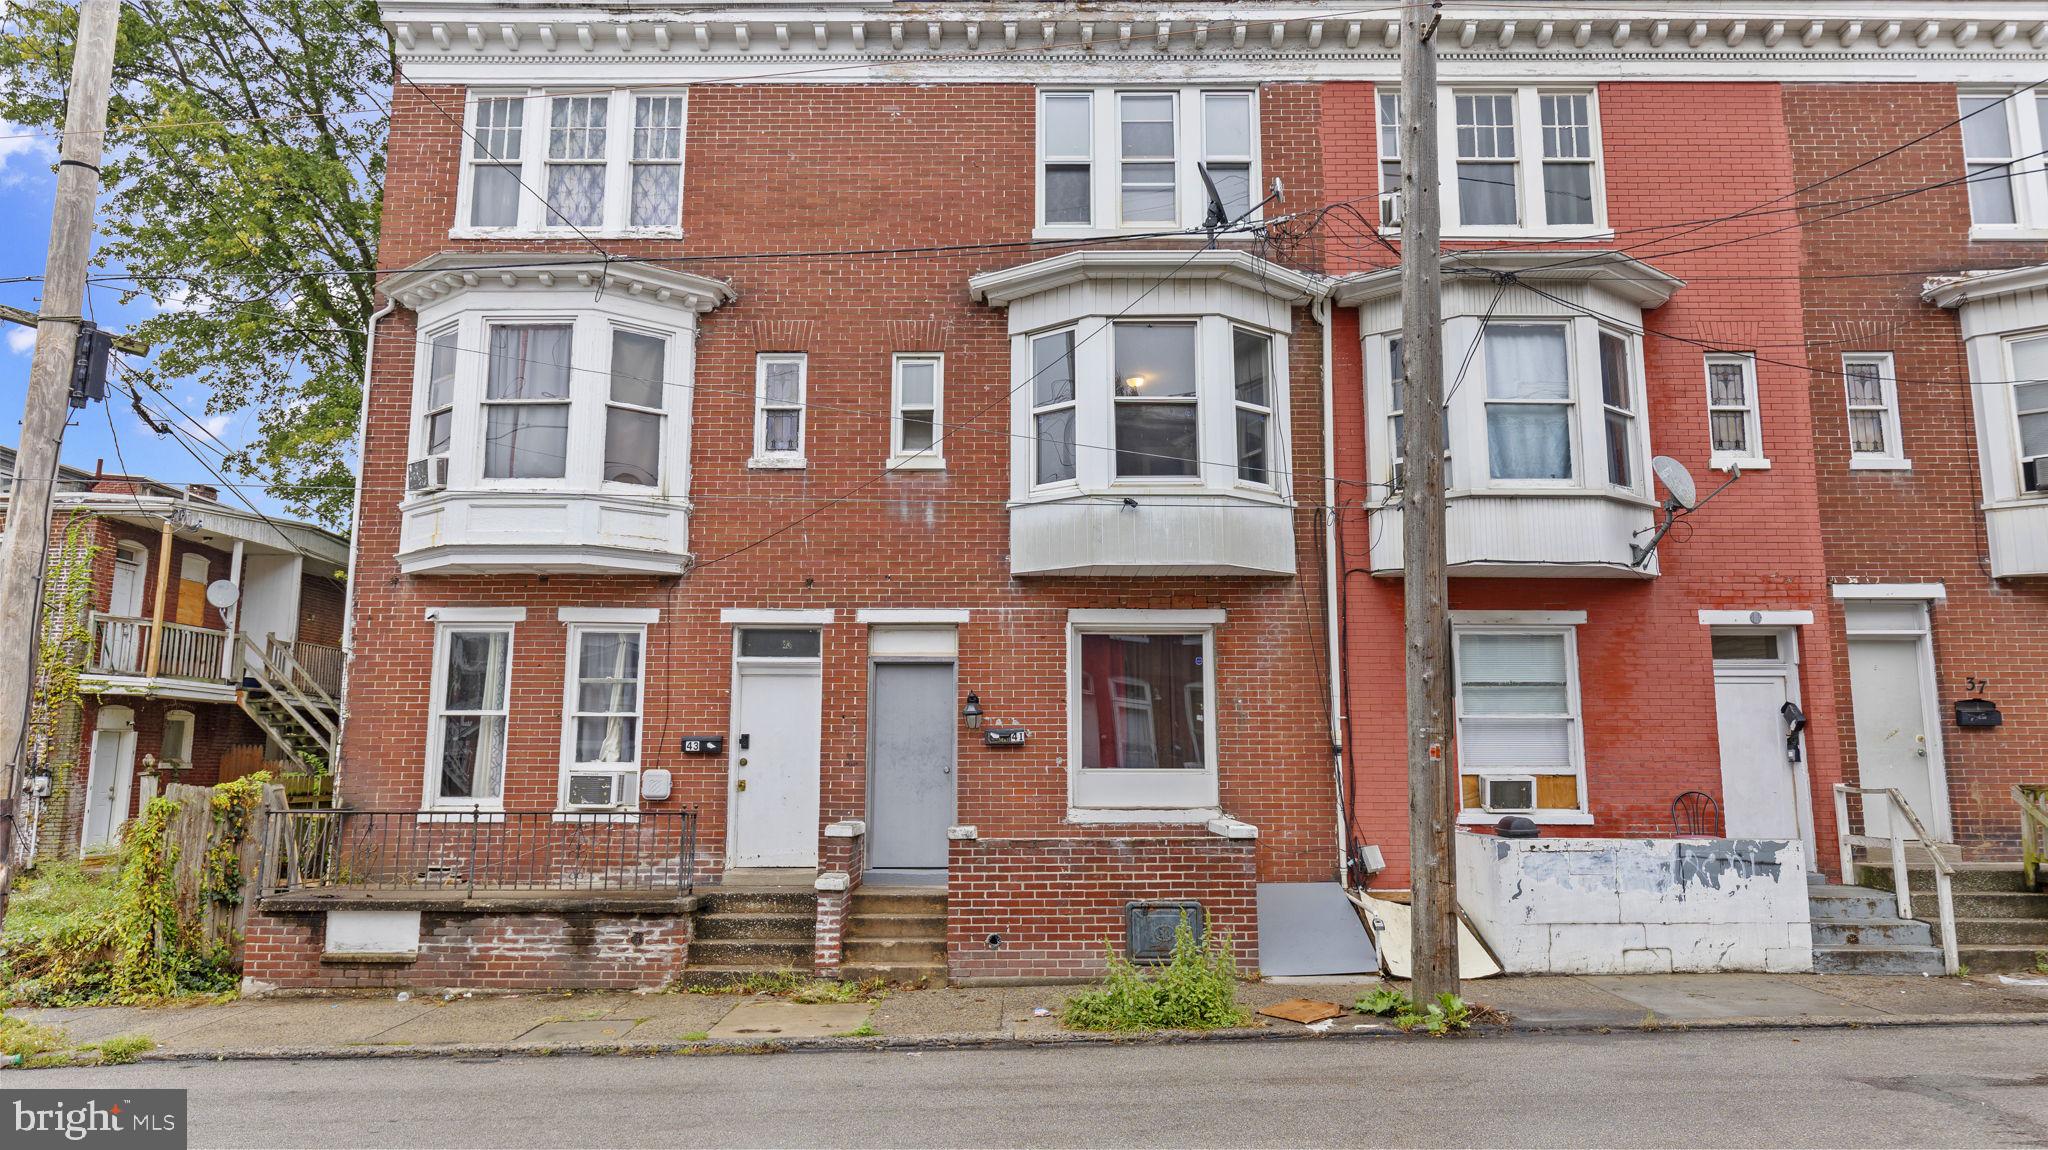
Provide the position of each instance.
(187, 623)
(828, 494)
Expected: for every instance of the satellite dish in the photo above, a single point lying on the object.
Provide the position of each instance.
(1677, 480)
(222, 593)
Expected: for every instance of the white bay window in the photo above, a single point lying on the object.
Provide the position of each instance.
(570, 163)
(2004, 321)
(1136, 159)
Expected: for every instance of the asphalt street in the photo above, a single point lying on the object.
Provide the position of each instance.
(1952, 1086)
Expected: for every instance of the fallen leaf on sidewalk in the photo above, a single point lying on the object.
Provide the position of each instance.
(1302, 1010)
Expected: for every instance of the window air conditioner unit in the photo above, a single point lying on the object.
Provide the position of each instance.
(1510, 793)
(426, 476)
(2034, 473)
(594, 791)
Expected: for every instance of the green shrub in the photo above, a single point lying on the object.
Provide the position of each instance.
(1196, 990)
(25, 1039)
(122, 1048)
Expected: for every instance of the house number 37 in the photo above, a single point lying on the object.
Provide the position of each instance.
(1975, 685)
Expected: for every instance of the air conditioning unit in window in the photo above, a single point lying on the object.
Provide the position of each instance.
(2034, 474)
(595, 792)
(1510, 793)
(426, 476)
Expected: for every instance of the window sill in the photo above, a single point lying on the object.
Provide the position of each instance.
(1578, 232)
(474, 233)
(1242, 234)
(776, 463)
(923, 462)
(463, 815)
(1158, 816)
(573, 815)
(2007, 232)
(1879, 463)
(1731, 462)
(1541, 818)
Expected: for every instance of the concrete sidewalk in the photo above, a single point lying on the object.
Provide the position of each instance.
(384, 1025)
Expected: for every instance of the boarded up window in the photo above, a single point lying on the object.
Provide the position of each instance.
(193, 576)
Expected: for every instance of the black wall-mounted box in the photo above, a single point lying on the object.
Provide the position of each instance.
(703, 744)
(1005, 737)
(1977, 713)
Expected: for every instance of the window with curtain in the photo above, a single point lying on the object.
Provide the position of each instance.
(1252, 359)
(576, 160)
(470, 712)
(1143, 702)
(1146, 136)
(604, 707)
(1066, 126)
(1517, 706)
(779, 407)
(1157, 411)
(633, 420)
(526, 402)
(1488, 189)
(1052, 407)
(438, 424)
(657, 172)
(1528, 401)
(496, 128)
(1617, 402)
(1872, 398)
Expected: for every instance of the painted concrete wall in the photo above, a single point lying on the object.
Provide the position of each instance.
(1635, 906)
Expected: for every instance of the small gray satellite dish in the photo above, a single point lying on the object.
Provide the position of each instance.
(1677, 480)
(222, 593)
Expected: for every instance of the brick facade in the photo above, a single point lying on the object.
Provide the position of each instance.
(1922, 525)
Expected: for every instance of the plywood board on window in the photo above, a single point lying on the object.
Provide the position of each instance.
(1557, 792)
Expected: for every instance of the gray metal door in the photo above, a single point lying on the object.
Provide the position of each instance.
(910, 766)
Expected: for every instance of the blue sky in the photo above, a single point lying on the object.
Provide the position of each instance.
(27, 183)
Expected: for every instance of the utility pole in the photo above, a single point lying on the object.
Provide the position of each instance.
(1425, 589)
(23, 550)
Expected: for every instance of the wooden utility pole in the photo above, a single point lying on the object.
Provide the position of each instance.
(1425, 590)
(24, 549)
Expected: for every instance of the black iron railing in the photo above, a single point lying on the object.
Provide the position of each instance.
(645, 852)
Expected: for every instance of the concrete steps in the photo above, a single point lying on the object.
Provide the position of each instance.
(2001, 926)
(746, 934)
(896, 934)
(1857, 930)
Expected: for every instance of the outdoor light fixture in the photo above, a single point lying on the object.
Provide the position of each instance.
(972, 711)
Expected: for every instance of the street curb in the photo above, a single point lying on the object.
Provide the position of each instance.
(882, 1044)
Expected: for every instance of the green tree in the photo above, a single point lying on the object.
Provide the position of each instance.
(245, 173)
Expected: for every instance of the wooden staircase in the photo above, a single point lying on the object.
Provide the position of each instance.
(284, 699)
(896, 934)
(745, 934)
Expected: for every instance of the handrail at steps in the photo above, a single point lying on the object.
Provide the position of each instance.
(280, 686)
(1943, 869)
(2033, 803)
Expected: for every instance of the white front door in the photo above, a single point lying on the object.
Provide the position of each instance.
(1888, 681)
(1755, 675)
(108, 777)
(772, 792)
(126, 597)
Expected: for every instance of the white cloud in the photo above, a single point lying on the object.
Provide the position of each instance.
(23, 151)
(21, 340)
(216, 424)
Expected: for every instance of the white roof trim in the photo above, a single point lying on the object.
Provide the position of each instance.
(1927, 592)
(1617, 272)
(627, 615)
(1241, 269)
(1756, 618)
(1145, 618)
(1970, 287)
(1512, 618)
(445, 275)
(477, 614)
(892, 616)
(777, 616)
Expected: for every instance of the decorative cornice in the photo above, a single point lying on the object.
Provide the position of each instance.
(1970, 287)
(1616, 272)
(447, 274)
(1241, 269)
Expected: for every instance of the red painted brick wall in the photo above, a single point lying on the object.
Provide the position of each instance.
(1058, 905)
(1923, 525)
(823, 167)
(1673, 152)
(556, 951)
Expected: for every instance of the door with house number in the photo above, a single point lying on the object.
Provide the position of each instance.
(910, 765)
(772, 794)
(1754, 677)
(1888, 694)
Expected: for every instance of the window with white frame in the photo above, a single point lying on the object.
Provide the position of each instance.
(437, 428)
(175, 749)
(2004, 134)
(1157, 401)
(1528, 401)
(1873, 398)
(779, 384)
(466, 739)
(1052, 407)
(1518, 159)
(1618, 415)
(1734, 430)
(1252, 364)
(1520, 748)
(634, 423)
(2029, 357)
(1135, 159)
(1139, 711)
(601, 736)
(917, 388)
(604, 162)
(526, 401)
